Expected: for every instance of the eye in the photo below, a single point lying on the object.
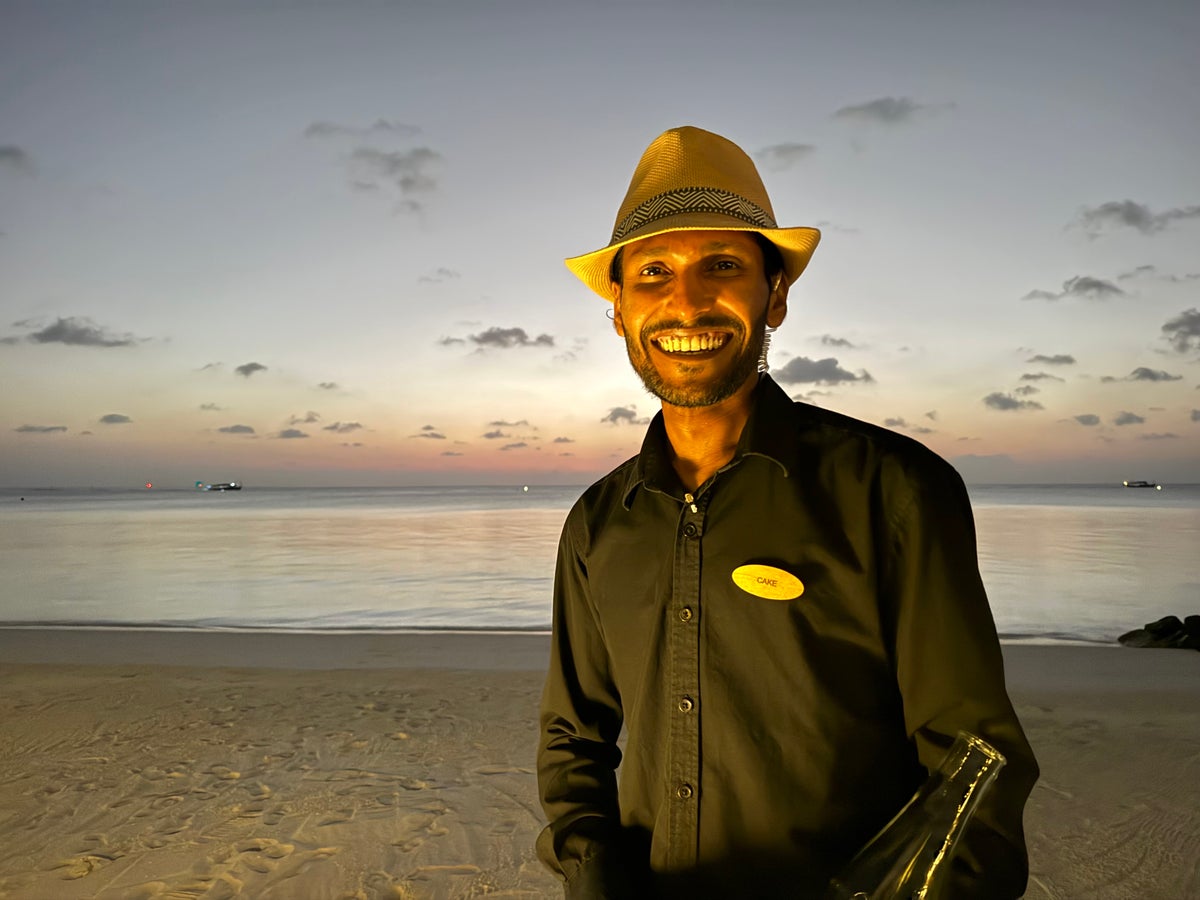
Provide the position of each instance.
(653, 270)
(727, 265)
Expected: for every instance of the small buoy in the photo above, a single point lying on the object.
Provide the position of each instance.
(525, 489)
(149, 485)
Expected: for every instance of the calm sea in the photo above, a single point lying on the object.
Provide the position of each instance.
(1061, 562)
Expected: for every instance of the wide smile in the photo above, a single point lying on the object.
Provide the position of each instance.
(680, 344)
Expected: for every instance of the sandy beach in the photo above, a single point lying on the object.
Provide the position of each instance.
(212, 765)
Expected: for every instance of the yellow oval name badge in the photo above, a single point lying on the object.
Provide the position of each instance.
(768, 582)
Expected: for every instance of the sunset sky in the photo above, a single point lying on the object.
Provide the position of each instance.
(302, 243)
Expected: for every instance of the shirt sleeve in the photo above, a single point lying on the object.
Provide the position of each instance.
(951, 674)
(577, 757)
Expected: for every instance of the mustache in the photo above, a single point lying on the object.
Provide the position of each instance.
(707, 322)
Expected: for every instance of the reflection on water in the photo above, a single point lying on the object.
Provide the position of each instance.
(293, 568)
(1090, 572)
(1073, 562)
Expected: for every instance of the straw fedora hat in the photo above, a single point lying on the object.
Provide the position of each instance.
(690, 180)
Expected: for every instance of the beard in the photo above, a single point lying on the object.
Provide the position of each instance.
(695, 393)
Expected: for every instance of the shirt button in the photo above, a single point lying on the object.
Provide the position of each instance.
(685, 614)
(684, 792)
(685, 704)
(690, 529)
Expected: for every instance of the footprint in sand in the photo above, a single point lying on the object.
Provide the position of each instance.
(274, 816)
(416, 828)
(82, 866)
(340, 817)
(262, 855)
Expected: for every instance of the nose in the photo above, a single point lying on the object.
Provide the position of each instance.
(692, 294)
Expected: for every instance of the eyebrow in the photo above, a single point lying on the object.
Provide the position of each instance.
(711, 247)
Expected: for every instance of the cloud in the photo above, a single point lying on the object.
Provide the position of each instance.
(1117, 214)
(508, 337)
(567, 440)
(291, 433)
(1004, 402)
(309, 418)
(1141, 373)
(495, 435)
(1058, 359)
(623, 415)
(39, 429)
(1128, 418)
(517, 446)
(210, 407)
(449, 341)
(826, 225)
(328, 385)
(802, 370)
(1081, 286)
(442, 274)
(450, 453)
(1154, 436)
(114, 419)
(523, 423)
(378, 127)
(1039, 376)
(779, 157)
(248, 369)
(1196, 415)
(887, 110)
(1088, 419)
(236, 429)
(77, 331)
(14, 159)
(429, 434)
(1137, 273)
(829, 340)
(1183, 331)
(1152, 272)
(409, 171)
(342, 427)
(898, 422)
(932, 415)
(1026, 389)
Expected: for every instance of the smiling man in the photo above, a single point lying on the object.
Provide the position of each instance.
(778, 605)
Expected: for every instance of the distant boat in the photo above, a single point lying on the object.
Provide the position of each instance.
(221, 486)
(1142, 484)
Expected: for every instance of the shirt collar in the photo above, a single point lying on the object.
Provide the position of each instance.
(770, 432)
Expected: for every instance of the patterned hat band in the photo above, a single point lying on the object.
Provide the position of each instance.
(692, 200)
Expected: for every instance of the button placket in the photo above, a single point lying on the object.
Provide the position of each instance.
(684, 739)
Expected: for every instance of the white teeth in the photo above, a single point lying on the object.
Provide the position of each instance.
(694, 343)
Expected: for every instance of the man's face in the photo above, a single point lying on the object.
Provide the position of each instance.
(693, 307)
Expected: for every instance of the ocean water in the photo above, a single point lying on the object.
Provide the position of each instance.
(1061, 562)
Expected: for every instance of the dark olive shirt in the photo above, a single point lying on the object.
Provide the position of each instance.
(767, 740)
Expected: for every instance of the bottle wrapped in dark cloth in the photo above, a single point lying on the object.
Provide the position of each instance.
(1166, 632)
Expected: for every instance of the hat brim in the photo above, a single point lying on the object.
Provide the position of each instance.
(796, 246)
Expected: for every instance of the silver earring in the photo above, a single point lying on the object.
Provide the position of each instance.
(763, 366)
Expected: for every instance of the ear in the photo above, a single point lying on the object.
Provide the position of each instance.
(618, 324)
(777, 301)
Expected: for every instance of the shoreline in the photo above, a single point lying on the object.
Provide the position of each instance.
(475, 650)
